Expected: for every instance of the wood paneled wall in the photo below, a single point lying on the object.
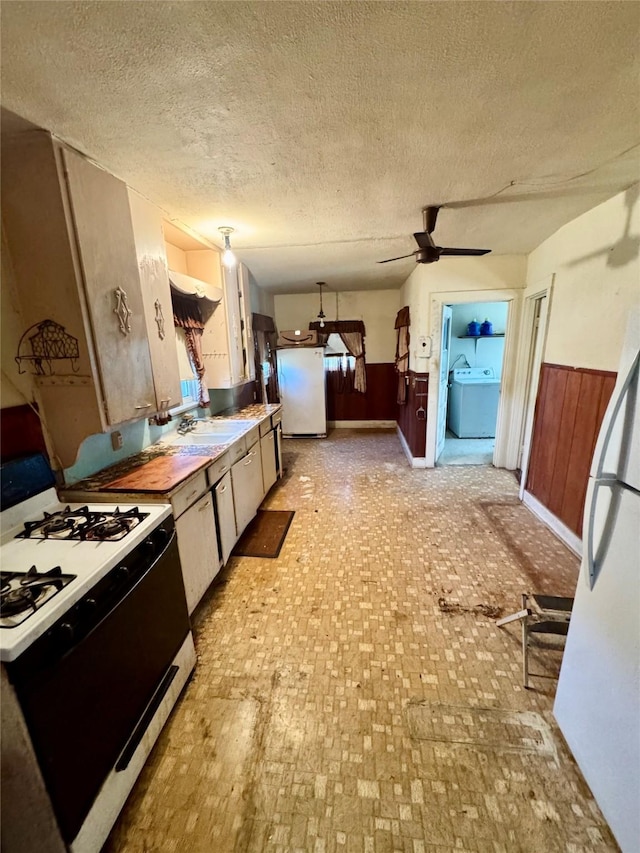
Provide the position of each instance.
(412, 420)
(569, 409)
(378, 404)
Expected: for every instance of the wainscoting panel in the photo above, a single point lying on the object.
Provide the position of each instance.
(569, 410)
(378, 404)
(413, 425)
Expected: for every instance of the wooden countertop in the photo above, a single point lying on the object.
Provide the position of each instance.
(174, 474)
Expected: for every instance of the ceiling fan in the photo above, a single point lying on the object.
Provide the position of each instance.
(427, 251)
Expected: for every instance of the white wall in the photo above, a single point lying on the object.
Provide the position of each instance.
(597, 280)
(481, 352)
(492, 273)
(376, 308)
(261, 301)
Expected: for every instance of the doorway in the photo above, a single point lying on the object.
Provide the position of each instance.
(471, 362)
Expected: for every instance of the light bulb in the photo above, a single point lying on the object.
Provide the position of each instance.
(228, 259)
(322, 324)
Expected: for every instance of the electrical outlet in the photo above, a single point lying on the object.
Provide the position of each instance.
(116, 440)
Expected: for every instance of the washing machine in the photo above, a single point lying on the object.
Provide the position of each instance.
(473, 402)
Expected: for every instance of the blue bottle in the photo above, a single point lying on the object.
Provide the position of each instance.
(473, 329)
(486, 328)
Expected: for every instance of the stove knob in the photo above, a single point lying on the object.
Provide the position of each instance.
(65, 634)
(88, 606)
(122, 573)
(162, 535)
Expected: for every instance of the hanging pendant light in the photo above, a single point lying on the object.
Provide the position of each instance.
(321, 314)
(228, 258)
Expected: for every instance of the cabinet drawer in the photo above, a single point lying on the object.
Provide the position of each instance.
(252, 436)
(265, 427)
(276, 418)
(218, 469)
(236, 451)
(188, 493)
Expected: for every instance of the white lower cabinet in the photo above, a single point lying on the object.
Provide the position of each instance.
(268, 452)
(246, 476)
(226, 516)
(198, 547)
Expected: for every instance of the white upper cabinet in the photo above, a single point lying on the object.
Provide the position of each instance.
(78, 264)
(107, 252)
(156, 300)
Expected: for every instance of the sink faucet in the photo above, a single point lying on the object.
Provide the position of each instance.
(187, 424)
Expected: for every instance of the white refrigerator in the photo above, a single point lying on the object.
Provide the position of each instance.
(302, 391)
(597, 703)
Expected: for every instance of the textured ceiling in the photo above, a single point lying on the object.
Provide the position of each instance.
(320, 129)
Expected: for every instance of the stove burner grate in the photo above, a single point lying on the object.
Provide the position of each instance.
(84, 524)
(21, 594)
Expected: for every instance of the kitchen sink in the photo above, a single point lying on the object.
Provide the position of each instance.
(195, 438)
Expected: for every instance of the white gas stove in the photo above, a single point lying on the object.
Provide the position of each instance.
(96, 647)
(53, 553)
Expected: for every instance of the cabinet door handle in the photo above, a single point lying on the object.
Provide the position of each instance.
(223, 489)
(204, 506)
(144, 406)
(191, 494)
(249, 460)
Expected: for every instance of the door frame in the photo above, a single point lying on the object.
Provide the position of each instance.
(443, 382)
(528, 374)
(503, 454)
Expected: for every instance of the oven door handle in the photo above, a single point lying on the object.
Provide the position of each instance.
(145, 720)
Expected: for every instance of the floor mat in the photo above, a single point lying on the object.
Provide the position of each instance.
(265, 536)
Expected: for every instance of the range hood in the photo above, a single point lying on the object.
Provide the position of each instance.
(190, 286)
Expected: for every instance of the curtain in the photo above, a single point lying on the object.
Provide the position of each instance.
(354, 342)
(402, 353)
(187, 316)
(352, 334)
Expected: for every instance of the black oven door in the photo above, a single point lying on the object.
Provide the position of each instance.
(84, 686)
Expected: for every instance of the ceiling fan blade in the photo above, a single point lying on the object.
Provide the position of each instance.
(396, 259)
(424, 239)
(430, 217)
(464, 251)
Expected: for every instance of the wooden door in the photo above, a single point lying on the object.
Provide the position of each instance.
(107, 253)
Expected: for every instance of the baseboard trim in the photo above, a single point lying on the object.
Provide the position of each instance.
(414, 461)
(573, 542)
(361, 424)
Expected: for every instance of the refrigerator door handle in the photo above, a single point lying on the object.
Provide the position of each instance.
(593, 568)
(614, 408)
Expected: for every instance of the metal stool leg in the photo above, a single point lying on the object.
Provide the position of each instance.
(525, 645)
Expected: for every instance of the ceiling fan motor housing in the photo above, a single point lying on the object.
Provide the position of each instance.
(427, 255)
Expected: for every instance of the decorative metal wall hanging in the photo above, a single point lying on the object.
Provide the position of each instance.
(159, 319)
(122, 310)
(50, 343)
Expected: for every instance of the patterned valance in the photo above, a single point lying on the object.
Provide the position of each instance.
(402, 318)
(335, 327)
(186, 311)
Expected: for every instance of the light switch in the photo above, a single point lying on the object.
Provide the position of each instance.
(116, 440)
